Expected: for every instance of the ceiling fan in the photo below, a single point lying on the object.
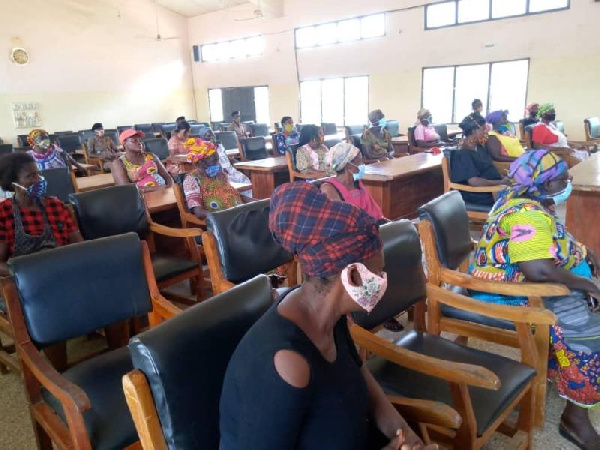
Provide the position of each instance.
(158, 37)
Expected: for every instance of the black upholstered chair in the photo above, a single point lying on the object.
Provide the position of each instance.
(259, 129)
(278, 128)
(393, 127)
(224, 125)
(354, 129)
(290, 159)
(97, 284)
(197, 129)
(482, 387)
(442, 130)
(70, 143)
(175, 389)
(61, 183)
(22, 139)
(122, 128)
(5, 149)
(228, 139)
(592, 129)
(238, 236)
(157, 127)
(329, 128)
(331, 142)
(254, 148)
(412, 143)
(145, 128)
(167, 129)
(121, 209)
(158, 146)
(444, 229)
(113, 134)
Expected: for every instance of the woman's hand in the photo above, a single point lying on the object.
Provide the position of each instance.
(398, 443)
(591, 260)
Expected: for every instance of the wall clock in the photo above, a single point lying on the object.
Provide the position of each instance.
(19, 56)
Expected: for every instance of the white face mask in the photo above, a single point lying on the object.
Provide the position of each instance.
(370, 292)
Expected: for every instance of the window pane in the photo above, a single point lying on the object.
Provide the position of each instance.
(473, 10)
(441, 14)
(215, 98)
(327, 33)
(310, 98)
(261, 104)
(223, 51)
(471, 83)
(348, 30)
(372, 26)
(238, 49)
(356, 97)
(306, 37)
(332, 93)
(507, 8)
(209, 52)
(509, 87)
(547, 5)
(255, 46)
(438, 87)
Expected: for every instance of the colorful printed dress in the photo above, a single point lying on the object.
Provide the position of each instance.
(145, 175)
(524, 230)
(52, 159)
(210, 194)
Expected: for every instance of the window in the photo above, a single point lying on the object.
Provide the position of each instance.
(238, 49)
(449, 91)
(253, 102)
(343, 101)
(457, 12)
(366, 27)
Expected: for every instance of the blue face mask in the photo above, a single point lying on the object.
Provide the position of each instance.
(213, 171)
(503, 129)
(360, 174)
(36, 190)
(562, 196)
(382, 123)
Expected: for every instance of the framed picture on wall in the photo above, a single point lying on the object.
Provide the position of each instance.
(26, 115)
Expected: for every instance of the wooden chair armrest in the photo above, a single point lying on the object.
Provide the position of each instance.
(71, 396)
(196, 220)
(484, 189)
(426, 411)
(447, 370)
(496, 287)
(175, 232)
(518, 314)
(164, 308)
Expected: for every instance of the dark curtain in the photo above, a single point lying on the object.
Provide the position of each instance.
(239, 99)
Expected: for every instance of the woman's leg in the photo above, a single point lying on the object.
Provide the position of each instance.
(575, 420)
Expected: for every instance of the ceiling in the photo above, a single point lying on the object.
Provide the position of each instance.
(192, 8)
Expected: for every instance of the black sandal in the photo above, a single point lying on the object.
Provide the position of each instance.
(569, 436)
(393, 325)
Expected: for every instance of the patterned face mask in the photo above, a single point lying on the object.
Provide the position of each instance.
(370, 292)
(35, 190)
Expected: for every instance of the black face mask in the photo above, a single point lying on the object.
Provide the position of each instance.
(550, 117)
(533, 114)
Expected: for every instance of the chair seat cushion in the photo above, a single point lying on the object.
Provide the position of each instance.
(475, 207)
(487, 404)
(108, 421)
(166, 266)
(461, 314)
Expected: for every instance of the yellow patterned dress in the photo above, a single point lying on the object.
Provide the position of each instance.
(210, 194)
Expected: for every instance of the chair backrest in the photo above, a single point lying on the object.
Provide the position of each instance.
(448, 217)
(224, 125)
(63, 132)
(6, 148)
(145, 128)
(110, 211)
(22, 138)
(254, 148)
(406, 283)
(278, 127)
(228, 139)
(259, 129)
(86, 135)
(411, 137)
(351, 130)
(243, 235)
(299, 127)
(529, 135)
(60, 183)
(158, 146)
(205, 124)
(249, 122)
(185, 359)
(191, 121)
(393, 127)
(442, 130)
(114, 136)
(592, 125)
(560, 126)
(122, 128)
(329, 128)
(354, 139)
(69, 142)
(96, 284)
(332, 142)
(197, 129)
(157, 127)
(292, 150)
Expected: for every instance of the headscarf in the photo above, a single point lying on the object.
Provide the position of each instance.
(423, 112)
(544, 108)
(529, 172)
(326, 235)
(529, 107)
(199, 149)
(339, 156)
(35, 136)
(495, 116)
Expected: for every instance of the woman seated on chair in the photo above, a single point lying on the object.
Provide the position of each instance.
(425, 134)
(207, 188)
(376, 140)
(546, 135)
(179, 136)
(233, 175)
(136, 166)
(501, 144)
(524, 240)
(29, 221)
(531, 113)
(288, 137)
(102, 147)
(307, 377)
(310, 156)
(46, 154)
(472, 165)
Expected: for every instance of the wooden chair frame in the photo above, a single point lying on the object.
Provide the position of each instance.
(8, 357)
(297, 174)
(460, 375)
(588, 136)
(38, 373)
(92, 160)
(438, 275)
(477, 216)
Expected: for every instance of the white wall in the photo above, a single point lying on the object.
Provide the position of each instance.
(87, 64)
(563, 46)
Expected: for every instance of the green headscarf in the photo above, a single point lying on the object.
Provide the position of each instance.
(544, 108)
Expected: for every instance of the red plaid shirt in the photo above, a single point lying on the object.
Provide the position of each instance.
(58, 216)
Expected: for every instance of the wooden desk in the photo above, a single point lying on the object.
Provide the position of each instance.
(400, 144)
(266, 174)
(95, 182)
(400, 186)
(583, 206)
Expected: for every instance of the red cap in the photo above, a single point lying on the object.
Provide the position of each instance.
(130, 133)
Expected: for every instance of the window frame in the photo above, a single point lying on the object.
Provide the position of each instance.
(490, 18)
(337, 41)
(234, 87)
(229, 41)
(489, 63)
(343, 100)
